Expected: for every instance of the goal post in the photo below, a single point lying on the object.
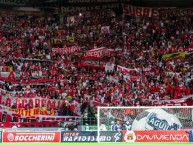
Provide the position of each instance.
(113, 120)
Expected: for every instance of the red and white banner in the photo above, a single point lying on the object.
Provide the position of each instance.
(31, 137)
(156, 136)
(140, 11)
(173, 101)
(155, 12)
(98, 52)
(124, 69)
(67, 50)
(32, 102)
(26, 82)
(109, 52)
(91, 66)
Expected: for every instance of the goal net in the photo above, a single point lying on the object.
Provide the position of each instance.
(112, 120)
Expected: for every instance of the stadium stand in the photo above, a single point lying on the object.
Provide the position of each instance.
(68, 69)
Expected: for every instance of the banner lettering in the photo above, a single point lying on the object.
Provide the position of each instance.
(89, 8)
(140, 11)
(42, 101)
(32, 112)
(124, 69)
(155, 12)
(99, 52)
(67, 50)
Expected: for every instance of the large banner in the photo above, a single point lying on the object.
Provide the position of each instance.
(31, 137)
(32, 102)
(91, 136)
(140, 11)
(155, 12)
(178, 12)
(26, 82)
(51, 104)
(33, 112)
(156, 136)
(98, 52)
(67, 50)
(178, 55)
(89, 7)
(172, 102)
(13, 2)
(125, 70)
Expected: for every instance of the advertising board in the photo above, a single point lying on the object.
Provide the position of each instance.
(91, 136)
(156, 136)
(31, 136)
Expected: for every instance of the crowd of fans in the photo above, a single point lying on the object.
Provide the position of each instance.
(138, 44)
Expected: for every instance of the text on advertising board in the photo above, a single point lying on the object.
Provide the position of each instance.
(91, 136)
(155, 136)
(31, 137)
